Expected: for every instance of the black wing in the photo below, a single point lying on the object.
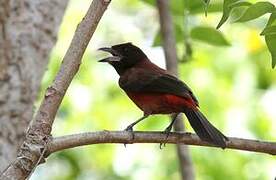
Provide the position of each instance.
(153, 82)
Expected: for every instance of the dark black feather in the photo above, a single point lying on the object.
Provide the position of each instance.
(204, 129)
(152, 82)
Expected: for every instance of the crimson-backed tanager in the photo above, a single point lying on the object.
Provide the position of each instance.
(155, 91)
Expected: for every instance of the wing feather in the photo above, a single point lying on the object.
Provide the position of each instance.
(154, 82)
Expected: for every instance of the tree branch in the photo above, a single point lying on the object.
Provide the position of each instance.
(169, 46)
(100, 137)
(39, 131)
(168, 38)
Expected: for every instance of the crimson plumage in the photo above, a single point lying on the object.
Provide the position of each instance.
(155, 91)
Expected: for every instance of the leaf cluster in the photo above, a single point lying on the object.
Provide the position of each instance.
(184, 9)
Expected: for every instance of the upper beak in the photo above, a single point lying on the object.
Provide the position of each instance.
(116, 56)
(110, 50)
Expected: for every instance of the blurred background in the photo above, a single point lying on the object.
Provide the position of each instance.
(230, 74)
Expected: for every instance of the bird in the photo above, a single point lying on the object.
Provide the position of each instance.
(155, 91)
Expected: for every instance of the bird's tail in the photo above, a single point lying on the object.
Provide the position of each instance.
(204, 129)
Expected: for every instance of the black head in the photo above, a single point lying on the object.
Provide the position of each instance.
(124, 56)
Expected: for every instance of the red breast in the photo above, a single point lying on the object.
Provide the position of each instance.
(157, 103)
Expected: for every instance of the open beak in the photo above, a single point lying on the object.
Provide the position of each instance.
(115, 58)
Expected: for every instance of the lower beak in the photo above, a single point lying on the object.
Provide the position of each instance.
(111, 59)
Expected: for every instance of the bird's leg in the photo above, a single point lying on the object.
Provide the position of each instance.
(130, 127)
(168, 129)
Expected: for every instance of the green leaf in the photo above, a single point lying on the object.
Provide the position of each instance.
(206, 2)
(226, 12)
(228, 6)
(256, 10)
(271, 44)
(270, 30)
(209, 35)
(193, 6)
(272, 20)
(270, 39)
(239, 4)
(199, 8)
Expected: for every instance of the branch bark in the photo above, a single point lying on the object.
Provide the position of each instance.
(169, 46)
(123, 137)
(39, 131)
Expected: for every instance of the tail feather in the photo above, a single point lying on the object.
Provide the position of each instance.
(204, 129)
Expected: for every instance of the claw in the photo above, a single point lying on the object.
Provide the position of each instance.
(130, 130)
(160, 146)
(168, 130)
(130, 127)
(167, 133)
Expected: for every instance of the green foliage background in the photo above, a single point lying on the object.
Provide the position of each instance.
(228, 69)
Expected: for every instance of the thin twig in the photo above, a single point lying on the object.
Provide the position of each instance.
(169, 46)
(123, 137)
(39, 132)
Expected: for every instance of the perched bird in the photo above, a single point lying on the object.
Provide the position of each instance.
(155, 91)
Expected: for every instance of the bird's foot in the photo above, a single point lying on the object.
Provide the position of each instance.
(130, 130)
(167, 133)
